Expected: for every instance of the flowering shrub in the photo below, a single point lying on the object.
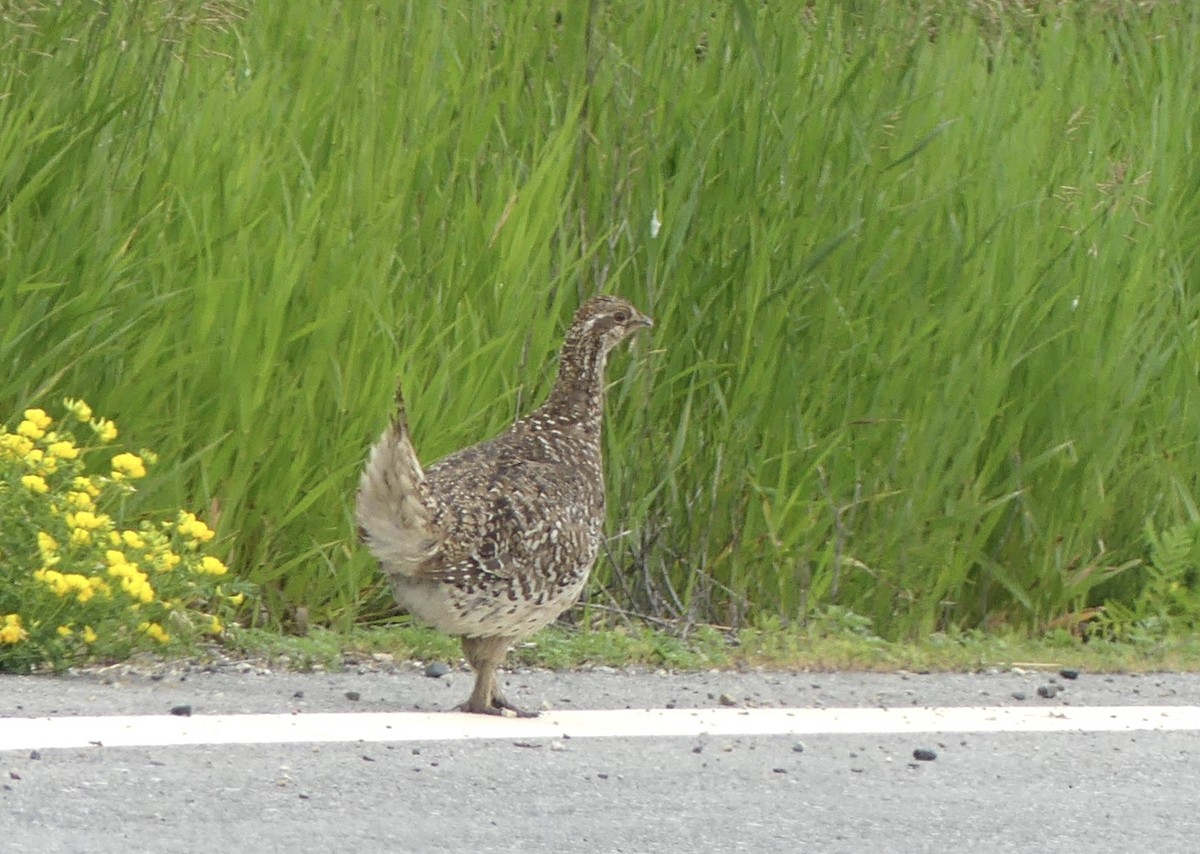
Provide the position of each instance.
(76, 580)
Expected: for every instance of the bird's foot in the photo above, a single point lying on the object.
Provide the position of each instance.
(498, 706)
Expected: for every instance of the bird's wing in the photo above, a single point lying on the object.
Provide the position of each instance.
(394, 508)
(519, 523)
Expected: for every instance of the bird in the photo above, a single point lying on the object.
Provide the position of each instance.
(496, 540)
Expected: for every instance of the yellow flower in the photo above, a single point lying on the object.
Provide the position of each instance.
(89, 634)
(133, 581)
(35, 424)
(75, 581)
(65, 585)
(55, 579)
(192, 527)
(11, 631)
(47, 548)
(83, 522)
(78, 408)
(138, 587)
(64, 631)
(39, 418)
(30, 430)
(35, 483)
(155, 631)
(104, 429)
(128, 465)
(114, 557)
(237, 598)
(34, 458)
(87, 520)
(84, 484)
(14, 446)
(212, 566)
(133, 539)
(63, 449)
(167, 560)
(215, 627)
(79, 500)
(45, 574)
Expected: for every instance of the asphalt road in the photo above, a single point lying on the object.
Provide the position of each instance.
(1009, 791)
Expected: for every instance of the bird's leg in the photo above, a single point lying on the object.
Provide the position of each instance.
(485, 655)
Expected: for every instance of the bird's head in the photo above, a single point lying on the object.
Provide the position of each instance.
(606, 321)
(600, 324)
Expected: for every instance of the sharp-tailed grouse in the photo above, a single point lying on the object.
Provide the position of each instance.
(495, 541)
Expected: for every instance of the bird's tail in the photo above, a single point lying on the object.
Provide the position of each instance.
(393, 509)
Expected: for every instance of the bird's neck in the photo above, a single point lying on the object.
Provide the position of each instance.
(578, 393)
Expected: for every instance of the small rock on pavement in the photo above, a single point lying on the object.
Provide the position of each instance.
(1069, 673)
(436, 669)
(924, 754)
(183, 710)
(1018, 695)
(353, 695)
(1048, 691)
(726, 700)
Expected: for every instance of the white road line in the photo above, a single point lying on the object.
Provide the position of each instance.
(164, 730)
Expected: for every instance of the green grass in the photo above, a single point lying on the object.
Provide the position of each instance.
(769, 646)
(925, 288)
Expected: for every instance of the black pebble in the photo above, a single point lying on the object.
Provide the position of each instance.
(1048, 691)
(436, 669)
(924, 754)
(353, 695)
(1018, 695)
(182, 711)
(1069, 674)
(299, 695)
(35, 754)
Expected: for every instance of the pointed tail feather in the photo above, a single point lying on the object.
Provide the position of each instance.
(393, 509)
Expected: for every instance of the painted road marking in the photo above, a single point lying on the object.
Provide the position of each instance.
(165, 730)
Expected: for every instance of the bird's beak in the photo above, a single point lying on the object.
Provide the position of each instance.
(643, 320)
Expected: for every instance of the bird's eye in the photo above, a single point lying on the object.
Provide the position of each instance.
(622, 317)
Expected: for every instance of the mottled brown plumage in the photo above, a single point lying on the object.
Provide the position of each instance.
(495, 541)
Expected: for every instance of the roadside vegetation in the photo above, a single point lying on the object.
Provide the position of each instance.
(78, 577)
(924, 277)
